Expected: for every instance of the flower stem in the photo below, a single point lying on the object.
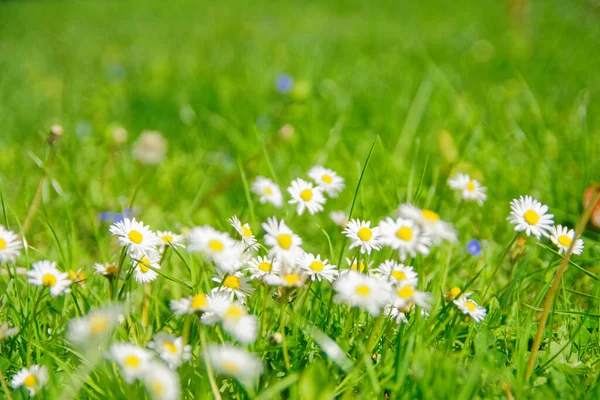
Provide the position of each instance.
(146, 305)
(284, 301)
(499, 263)
(31, 323)
(209, 372)
(5, 386)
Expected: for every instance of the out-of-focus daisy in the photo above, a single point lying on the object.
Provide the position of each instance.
(363, 236)
(529, 215)
(94, 327)
(407, 294)
(405, 236)
(150, 148)
(397, 314)
(316, 268)
(109, 270)
(189, 305)
(261, 267)
(431, 223)
(397, 273)
(44, 273)
(209, 241)
(234, 362)
(235, 319)
(332, 349)
(144, 268)
(248, 238)
(287, 278)
(267, 190)
(470, 189)
(306, 196)
(161, 382)
(355, 265)
(362, 291)
(284, 243)
(168, 238)
(77, 277)
(10, 245)
(236, 285)
(232, 258)
(132, 359)
(339, 218)
(6, 330)
(33, 378)
(473, 247)
(469, 307)
(170, 349)
(136, 236)
(328, 180)
(563, 237)
(453, 293)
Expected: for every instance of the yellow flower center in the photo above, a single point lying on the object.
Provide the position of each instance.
(430, 216)
(48, 280)
(167, 238)
(2, 244)
(285, 241)
(216, 245)
(135, 237)
(470, 186)
(30, 381)
(232, 282)
(470, 305)
(268, 191)
(234, 313)
(455, 291)
(111, 270)
(246, 231)
(170, 346)
(365, 234)
(317, 266)
(356, 267)
(306, 194)
(230, 367)
(143, 265)
(362, 290)
(564, 240)
(531, 217)
(198, 301)
(405, 233)
(406, 292)
(98, 324)
(292, 279)
(265, 266)
(132, 361)
(327, 179)
(399, 275)
(158, 387)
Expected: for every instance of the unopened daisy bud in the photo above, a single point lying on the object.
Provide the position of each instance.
(56, 132)
(453, 293)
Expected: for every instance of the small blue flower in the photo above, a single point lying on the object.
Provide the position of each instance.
(109, 216)
(284, 83)
(473, 247)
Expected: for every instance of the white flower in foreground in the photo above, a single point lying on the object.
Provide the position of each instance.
(468, 306)
(161, 382)
(328, 180)
(144, 269)
(136, 236)
(132, 359)
(363, 236)
(189, 305)
(431, 223)
(234, 362)
(404, 235)
(530, 216)
(6, 330)
(261, 267)
(170, 349)
(407, 295)
(235, 319)
(10, 245)
(210, 242)
(90, 330)
(44, 273)
(470, 189)
(563, 237)
(362, 291)
(33, 379)
(316, 268)
(246, 234)
(109, 270)
(236, 285)
(397, 273)
(284, 243)
(150, 148)
(267, 190)
(306, 196)
(339, 218)
(168, 238)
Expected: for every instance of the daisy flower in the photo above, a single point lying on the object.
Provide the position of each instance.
(33, 379)
(10, 245)
(170, 349)
(339, 218)
(397, 273)
(396, 314)
(260, 267)
(236, 285)
(406, 295)
(363, 236)
(132, 359)
(361, 267)
(248, 238)
(136, 236)
(288, 278)
(44, 273)
(362, 291)
(453, 293)
(306, 196)
(6, 330)
(168, 238)
(209, 242)
(529, 215)
(470, 189)
(189, 305)
(563, 237)
(235, 319)
(94, 327)
(144, 268)
(469, 307)
(430, 222)
(405, 236)
(232, 258)
(161, 382)
(109, 270)
(329, 181)
(284, 243)
(268, 191)
(316, 268)
(234, 362)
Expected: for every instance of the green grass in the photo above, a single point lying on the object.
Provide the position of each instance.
(507, 95)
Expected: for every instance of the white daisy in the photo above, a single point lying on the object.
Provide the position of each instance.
(363, 236)
(531, 216)
(33, 378)
(235, 319)
(328, 180)
(470, 189)
(563, 237)
(144, 268)
(170, 349)
(136, 236)
(468, 306)
(340, 218)
(234, 362)
(407, 294)
(246, 234)
(284, 243)
(236, 285)
(397, 314)
(306, 196)
(267, 190)
(288, 278)
(362, 291)
(10, 245)
(405, 236)
(260, 267)
(361, 267)
(44, 273)
(209, 241)
(232, 258)
(161, 382)
(132, 359)
(6, 330)
(168, 238)
(316, 268)
(94, 327)
(397, 273)
(109, 270)
(431, 223)
(189, 305)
